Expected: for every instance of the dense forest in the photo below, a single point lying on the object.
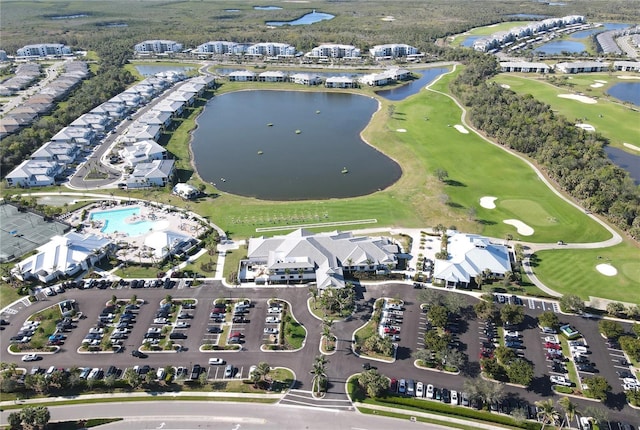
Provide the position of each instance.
(572, 157)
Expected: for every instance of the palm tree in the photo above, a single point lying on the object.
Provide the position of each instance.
(570, 409)
(263, 369)
(319, 365)
(313, 292)
(546, 412)
(287, 272)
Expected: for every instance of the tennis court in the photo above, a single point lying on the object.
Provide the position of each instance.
(22, 232)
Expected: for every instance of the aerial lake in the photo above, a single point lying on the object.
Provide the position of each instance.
(290, 145)
(626, 161)
(626, 91)
(413, 87)
(560, 46)
(307, 19)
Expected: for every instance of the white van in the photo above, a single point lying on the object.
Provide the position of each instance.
(216, 361)
(578, 350)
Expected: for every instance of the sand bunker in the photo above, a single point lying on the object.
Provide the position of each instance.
(461, 129)
(607, 269)
(401, 130)
(388, 18)
(630, 146)
(628, 77)
(599, 81)
(487, 202)
(596, 85)
(521, 227)
(505, 86)
(583, 99)
(587, 127)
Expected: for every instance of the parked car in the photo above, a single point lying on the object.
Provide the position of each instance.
(430, 390)
(560, 380)
(195, 372)
(214, 329)
(216, 361)
(272, 320)
(402, 386)
(228, 371)
(464, 399)
(419, 389)
(270, 330)
(454, 397)
(446, 397)
(139, 354)
(31, 357)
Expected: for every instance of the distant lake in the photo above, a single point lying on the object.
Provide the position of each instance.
(267, 7)
(527, 16)
(152, 70)
(559, 46)
(233, 129)
(606, 27)
(626, 161)
(468, 42)
(626, 91)
(413, 87)
(307, 19)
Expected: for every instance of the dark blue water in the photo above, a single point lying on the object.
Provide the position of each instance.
(527, 16)
(626, 161)
(606, 27)
(401, 93)
(234, 128)
(267, 7)
(560, 46)
(468, 42)
(152, 70)
(307, 19)
(626, 91)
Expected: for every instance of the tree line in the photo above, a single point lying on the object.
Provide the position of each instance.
(574, 158)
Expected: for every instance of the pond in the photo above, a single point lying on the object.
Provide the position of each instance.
(152, 70)
(560, 46)
(468, 42)
(307, 19)
(626, 91)
(311, 150)
(413, 87)
(626, 161)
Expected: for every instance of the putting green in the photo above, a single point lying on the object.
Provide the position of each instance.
(532, 211)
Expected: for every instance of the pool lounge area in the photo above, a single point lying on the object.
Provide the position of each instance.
(143, 232)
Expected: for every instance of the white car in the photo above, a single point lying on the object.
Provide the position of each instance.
(121, 330)
(551, 339)
(464, 399)
(160, 321)
(154, 330)
(274, 310)
(419, 389)
(182, 324)
(96, 330)
(270, 330)
(402, 386)
(560, 380)
(160, 374)
(216, 361)
(454, 397)
(429, 391)
(272, 320)
(30, 357)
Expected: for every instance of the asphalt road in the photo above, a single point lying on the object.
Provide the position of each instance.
(341, 364)
(203, 415)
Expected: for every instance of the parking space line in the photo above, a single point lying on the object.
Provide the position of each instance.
(532, 304)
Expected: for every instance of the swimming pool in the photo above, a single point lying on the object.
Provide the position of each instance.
(115, 221)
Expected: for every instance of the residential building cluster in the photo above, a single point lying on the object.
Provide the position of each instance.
(530, 33)
(44, 100)
(569, 67)
(375, 79)
(282, 50)
(42, 50)
(158, 47)
(139, 140)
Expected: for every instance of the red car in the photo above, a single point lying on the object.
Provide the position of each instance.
(393, 386)
(390, 330)
(551, 345)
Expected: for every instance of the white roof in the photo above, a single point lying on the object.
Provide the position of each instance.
(161, 241)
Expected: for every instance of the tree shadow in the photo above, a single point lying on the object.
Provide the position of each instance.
(485, 222)
(470, 369)
(183, 175)
(454, 205)
(454, 183)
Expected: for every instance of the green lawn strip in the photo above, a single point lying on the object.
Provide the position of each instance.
(428, 406)
(487, 30)
(294, 332)
(232, 260)
(571, 367)
(144, 399)
(574, 272)
(447, 424)
(196, 265)
(609, 116)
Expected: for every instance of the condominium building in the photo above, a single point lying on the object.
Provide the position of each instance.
(269, 49)
(43, 50)
(392, 50)
(221, 47)
(158, 46)
(335, 51)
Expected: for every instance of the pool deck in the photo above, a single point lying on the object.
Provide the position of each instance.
(133, 248)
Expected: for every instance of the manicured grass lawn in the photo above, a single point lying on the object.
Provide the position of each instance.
(574, 272)
(609, 116)
(487, 30)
